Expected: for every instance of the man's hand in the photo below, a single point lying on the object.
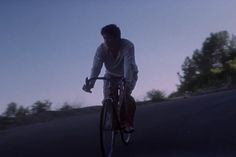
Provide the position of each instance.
(87, 86)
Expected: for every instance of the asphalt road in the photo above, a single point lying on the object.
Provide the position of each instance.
(200, 126)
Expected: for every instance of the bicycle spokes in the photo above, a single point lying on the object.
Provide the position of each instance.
(107, 133)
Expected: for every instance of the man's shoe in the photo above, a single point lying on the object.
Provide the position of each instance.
(129, 129)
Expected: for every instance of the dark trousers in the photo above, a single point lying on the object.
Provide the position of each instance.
(128, 112)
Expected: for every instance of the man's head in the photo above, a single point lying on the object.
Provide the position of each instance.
(111, 35)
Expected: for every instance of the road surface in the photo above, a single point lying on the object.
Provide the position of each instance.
(200, 126)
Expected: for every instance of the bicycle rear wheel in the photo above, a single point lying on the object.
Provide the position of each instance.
(107, 132)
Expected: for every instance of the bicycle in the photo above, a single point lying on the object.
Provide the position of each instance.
(110, 116)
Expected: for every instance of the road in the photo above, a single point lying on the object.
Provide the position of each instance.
(200, 126)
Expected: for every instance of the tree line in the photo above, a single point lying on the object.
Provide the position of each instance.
(14, 110)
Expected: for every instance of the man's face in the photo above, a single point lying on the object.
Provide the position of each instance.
(110, 41)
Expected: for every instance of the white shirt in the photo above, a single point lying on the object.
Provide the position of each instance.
(123, 65)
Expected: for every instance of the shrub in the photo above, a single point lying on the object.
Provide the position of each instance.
(66, 107)
(156, 95)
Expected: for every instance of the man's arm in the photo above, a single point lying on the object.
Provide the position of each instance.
(97, 65)
(130, 68)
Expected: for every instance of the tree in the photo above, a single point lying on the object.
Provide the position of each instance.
(218, 46)
(232, 64)
(189, 74)
(209, 66)
(233, 47)
(41, 106)
(11, 110)
(232, 69)
(22, 111)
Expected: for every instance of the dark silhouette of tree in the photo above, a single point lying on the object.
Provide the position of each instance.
(11, 110)
(22, 111)
(233, 47)
(189, 74)
(41, 106)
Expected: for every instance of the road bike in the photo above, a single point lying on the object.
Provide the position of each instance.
(111, 116)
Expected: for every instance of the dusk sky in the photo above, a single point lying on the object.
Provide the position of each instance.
(47, 46)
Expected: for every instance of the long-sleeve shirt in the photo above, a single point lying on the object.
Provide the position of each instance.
(123, 65)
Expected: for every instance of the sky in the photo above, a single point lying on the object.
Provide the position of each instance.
(47, 46)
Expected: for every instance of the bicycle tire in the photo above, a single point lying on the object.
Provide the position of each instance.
(107, 132)
(125, 137)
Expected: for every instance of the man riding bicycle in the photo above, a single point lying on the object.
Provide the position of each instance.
(117, 54)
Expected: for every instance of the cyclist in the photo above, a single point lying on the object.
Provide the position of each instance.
(117, 54)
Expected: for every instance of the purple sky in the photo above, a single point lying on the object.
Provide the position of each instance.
(47, 47)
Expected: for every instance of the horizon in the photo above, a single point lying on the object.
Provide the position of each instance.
(47, 47)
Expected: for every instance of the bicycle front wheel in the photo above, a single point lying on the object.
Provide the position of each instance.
(126, 137)
(107, 133)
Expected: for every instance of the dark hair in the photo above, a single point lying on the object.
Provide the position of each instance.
(112, 30)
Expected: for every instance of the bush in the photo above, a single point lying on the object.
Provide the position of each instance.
(156, 95)
(66, 107)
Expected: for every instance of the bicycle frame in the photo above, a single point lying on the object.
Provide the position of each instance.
(112, 105)
(117, 95)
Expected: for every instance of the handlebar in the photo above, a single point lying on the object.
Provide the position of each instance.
(87, 81)
(105, 78)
